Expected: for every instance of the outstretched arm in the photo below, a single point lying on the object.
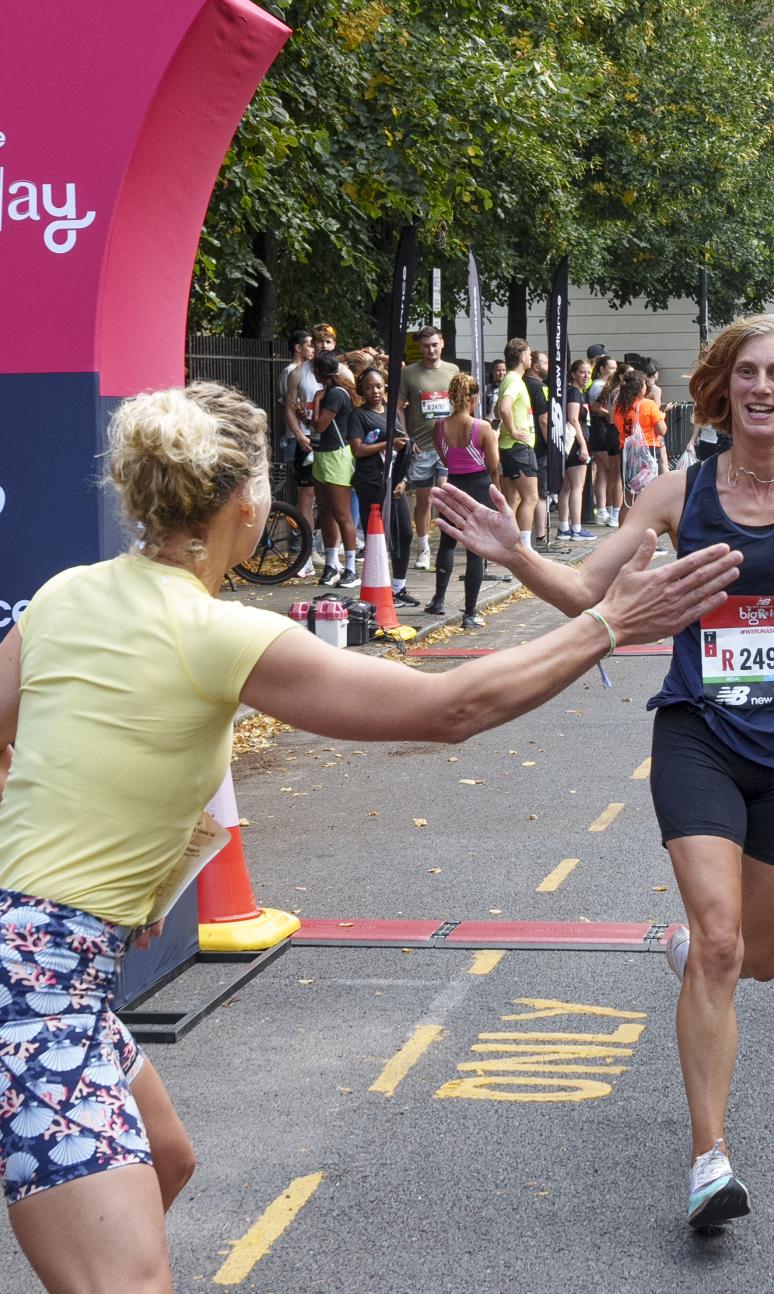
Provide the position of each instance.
(495, 536)
(317, 688)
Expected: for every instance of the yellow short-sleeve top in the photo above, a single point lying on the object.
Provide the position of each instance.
(130, 678)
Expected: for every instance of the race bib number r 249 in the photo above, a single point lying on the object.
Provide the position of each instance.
(737, 653)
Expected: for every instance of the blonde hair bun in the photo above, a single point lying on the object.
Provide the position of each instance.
(177, 455)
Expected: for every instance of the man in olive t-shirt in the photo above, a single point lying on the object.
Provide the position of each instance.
(424, 398)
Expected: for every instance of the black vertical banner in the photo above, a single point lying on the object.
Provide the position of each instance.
(557, 375)
(476, 315)
(402, 283)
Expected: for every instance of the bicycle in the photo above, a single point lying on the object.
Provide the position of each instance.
(285, 545)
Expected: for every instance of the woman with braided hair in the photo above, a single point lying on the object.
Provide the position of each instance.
(468, 447)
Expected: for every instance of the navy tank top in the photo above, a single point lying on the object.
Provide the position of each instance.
(747, 730)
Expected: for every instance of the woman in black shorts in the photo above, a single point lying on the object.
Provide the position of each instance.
(570, 506)
(713, 749)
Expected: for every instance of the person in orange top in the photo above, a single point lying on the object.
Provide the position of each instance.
(632, 406)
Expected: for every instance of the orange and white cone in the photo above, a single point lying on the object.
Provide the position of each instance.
(375, 583)
(229, 919)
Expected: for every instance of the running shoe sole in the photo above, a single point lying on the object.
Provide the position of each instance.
(731, 1201)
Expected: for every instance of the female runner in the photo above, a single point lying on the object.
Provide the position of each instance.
(713, 740)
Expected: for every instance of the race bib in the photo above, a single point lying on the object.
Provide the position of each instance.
(737, 653)
(434, 404)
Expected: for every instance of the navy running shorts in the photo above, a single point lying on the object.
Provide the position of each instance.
(701, 787)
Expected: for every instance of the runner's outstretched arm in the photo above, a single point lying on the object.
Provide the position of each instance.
(495, 536)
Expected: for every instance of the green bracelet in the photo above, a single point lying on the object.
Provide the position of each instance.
(600, 619)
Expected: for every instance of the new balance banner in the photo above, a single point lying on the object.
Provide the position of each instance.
(476, 316)
(557, 375)
(402, 284)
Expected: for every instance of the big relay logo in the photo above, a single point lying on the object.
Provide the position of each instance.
(54, 208)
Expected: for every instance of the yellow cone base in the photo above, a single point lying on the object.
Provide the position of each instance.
(270, 928)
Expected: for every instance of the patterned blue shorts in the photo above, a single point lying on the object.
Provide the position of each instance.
(66, 1061)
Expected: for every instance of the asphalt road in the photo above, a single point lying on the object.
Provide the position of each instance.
(386, 1121)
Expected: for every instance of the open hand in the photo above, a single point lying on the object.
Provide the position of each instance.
(492, 534)
(642, 603)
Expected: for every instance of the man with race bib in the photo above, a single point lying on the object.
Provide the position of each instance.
(424, 398)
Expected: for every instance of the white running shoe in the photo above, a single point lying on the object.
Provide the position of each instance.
(715, 1195)
(613, 523)
(307, 570)
(423, 560)
(602, 516)
(677, 950)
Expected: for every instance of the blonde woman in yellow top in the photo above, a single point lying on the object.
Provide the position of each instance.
(119, 687)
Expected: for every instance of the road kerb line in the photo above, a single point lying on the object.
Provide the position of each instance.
(606, 817)
(485, 961)
(559, 874)
(398, 1067)
(641, 773)
(256, 1243)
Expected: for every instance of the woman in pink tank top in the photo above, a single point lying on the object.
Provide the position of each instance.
(468, 447)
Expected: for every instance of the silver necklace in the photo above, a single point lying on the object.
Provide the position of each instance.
(734, 473)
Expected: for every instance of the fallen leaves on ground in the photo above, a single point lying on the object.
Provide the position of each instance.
(419, 822)
(471, 781)
(257, 733)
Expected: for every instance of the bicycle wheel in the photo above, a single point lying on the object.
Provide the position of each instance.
(284, 547)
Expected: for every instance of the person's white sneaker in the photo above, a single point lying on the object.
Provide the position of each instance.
(613, 523)
(307, 570)
(677, 950)
(423, 560)
(715, 1196)
(602, 516)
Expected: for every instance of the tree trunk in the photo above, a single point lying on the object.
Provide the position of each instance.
(261, 309)
(379, 311)
(449, 330)
(517, 308)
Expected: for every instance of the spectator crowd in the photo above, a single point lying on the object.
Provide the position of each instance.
(334, 405)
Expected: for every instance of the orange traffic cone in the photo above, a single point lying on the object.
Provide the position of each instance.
(229, 920)
(376, 585)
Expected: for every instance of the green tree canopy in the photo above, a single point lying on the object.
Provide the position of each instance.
(637, 137)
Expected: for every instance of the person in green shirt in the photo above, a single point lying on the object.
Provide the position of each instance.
(518, 463)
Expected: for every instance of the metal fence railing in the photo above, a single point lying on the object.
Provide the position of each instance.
(679, 428)
(254, 366)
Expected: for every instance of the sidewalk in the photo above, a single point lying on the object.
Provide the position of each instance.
(421, 584)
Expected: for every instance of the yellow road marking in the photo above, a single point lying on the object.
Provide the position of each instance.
(642, 772)
(485, 961)
(396, 1069)
(544, 1008)
(256, 1243)
(559, 874)
(609, 815)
